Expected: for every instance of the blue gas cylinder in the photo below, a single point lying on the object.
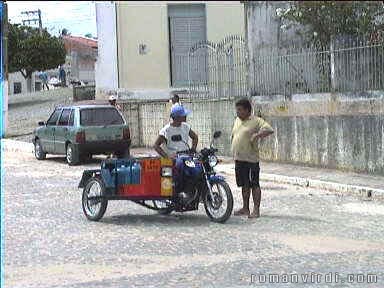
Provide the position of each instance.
(136, 173)
(123, 175)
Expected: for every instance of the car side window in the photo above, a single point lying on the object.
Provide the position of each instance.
(64, 119)
(71, 121)
(53, 119)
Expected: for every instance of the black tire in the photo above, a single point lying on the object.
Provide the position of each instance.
(86, 157)
(210, 209)
(39, 152)
(122, 154)
(98, 212)
(71, 155)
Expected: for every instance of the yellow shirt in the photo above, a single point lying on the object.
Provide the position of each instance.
(242, 147)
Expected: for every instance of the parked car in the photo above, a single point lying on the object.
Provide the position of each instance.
(54, 81)
(82, 130)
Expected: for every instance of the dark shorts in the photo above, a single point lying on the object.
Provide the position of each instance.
(247, 174)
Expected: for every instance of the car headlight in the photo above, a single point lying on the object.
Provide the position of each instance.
(166, 172)
(190, 163)
(212, 160)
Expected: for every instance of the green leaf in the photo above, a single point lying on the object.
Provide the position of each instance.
(30, 51)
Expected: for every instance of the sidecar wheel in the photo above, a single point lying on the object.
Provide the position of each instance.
(94, 208)
(220, 209)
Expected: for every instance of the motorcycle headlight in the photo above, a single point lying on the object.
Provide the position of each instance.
(212, 160)
(166, 172)
(190, 163)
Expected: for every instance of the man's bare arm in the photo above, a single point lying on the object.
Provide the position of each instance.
(261, 134)
(195, 139)
(159, 141)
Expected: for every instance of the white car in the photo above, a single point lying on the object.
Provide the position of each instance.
(54, 81)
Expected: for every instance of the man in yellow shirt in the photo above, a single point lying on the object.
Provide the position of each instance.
(246, 132)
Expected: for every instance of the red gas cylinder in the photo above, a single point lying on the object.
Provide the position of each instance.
(150, 184)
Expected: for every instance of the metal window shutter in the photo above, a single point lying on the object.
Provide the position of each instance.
(185, 32)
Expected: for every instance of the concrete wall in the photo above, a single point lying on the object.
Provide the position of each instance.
(343, 131)
(147, 23)
(224, 18)
(143, 23)
(106, 72)
(17, 77)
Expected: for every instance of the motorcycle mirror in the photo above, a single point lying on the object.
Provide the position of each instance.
(176, 138)
(217, 134)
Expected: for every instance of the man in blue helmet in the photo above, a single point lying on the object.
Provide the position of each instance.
(178, 126)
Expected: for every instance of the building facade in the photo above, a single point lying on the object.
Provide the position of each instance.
(146, 43)
(79, 66)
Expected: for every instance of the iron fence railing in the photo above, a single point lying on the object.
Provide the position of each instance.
(213, 70)
(227, 70)
(346, 65)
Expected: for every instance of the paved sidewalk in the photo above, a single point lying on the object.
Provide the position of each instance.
(363, 185)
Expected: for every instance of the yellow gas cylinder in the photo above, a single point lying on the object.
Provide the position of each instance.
(166, 180)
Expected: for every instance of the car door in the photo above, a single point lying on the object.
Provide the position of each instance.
(47, 138)
(61, 132)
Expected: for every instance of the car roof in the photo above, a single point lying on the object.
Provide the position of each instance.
(88, 104)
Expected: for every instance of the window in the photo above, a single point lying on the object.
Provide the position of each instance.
(37, 86)
(53, 119)
(16, 87)
(100, 117)
(64, 117)
(71, 118)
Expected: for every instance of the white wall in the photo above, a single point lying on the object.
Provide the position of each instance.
(106, 73)
(18, 77)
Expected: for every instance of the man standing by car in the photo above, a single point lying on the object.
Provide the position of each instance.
(62, 76)
(246, 132)
(44, 79)
(175, 100)
(112, 100)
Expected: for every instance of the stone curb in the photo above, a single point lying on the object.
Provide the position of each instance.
(360, 191)
(346, 189)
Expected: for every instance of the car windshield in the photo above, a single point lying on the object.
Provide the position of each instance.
(100, 117)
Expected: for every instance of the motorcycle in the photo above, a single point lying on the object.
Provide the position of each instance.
(160, 184)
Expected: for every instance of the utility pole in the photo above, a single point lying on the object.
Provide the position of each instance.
(34, 20)
(3, 68)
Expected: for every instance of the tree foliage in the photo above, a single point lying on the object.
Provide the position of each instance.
(65, 32)
(325, 19)
(30, 51)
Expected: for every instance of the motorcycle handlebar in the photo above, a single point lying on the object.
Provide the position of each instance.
(203, 151)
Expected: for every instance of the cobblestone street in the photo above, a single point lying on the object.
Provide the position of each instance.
(49, 242)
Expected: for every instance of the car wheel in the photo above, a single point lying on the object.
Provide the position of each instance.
(86, 157)
(71, 155)
(122, 154)
(39, 152)
(119, 154)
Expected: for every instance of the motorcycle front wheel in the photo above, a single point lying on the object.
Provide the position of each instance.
(220, 208)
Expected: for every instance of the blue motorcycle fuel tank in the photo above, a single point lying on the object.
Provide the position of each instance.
(189, 166)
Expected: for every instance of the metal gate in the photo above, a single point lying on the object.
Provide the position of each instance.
(218, 70)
